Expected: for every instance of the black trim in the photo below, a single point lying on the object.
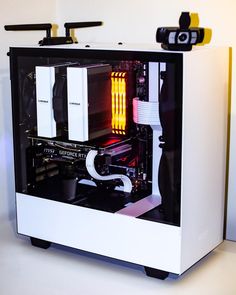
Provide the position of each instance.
(144, 56)
(15, 116)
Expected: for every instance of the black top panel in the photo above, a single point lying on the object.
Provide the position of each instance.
(99, 54)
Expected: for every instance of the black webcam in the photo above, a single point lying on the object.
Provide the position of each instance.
(180, 38)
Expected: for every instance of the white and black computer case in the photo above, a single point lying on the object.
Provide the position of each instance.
(121, 151)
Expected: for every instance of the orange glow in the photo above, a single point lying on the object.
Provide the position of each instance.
(118, 97)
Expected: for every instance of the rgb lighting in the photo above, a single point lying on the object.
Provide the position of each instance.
(118, 96)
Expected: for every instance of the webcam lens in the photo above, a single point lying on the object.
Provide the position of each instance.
(182, 37)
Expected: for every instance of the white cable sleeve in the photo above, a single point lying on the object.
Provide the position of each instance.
(145, 112)
(92, 171)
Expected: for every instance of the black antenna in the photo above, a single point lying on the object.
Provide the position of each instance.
(78, 25)
(31, 27)
(48, 40)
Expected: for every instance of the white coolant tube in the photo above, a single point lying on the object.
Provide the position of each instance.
(127, 184)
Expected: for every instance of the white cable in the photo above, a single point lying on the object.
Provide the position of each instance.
(92, 171)
(145, 112)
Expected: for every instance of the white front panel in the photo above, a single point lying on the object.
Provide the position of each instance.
(114, 235)
(45, 78)
(77, 85)
(204, 142)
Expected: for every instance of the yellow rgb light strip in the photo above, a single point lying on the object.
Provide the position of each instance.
(118, 96)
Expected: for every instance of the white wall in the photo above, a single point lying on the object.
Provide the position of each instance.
(137, 20)
(13, 12)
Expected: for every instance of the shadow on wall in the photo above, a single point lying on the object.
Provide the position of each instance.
(207, 31)
(7, 193)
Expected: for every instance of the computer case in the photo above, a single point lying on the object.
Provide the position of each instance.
(134, 168)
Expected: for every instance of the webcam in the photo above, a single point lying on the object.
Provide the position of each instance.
(180, 38)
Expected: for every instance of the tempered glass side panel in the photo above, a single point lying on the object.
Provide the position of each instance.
(54, 165)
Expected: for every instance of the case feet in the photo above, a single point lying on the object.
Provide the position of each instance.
(40, 243)
(156, 273)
